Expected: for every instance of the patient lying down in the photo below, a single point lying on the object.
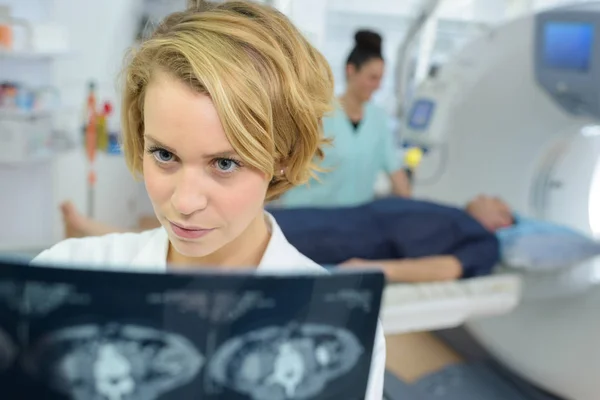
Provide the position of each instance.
(412, 240)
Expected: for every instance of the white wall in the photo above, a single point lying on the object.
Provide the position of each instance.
(33, 10)
(382, 7)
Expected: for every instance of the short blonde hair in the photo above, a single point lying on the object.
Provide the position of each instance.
(270, 86)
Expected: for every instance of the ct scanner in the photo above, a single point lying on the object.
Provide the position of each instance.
(516, 114)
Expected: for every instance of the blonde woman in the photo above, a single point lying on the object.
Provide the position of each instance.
(222, 111)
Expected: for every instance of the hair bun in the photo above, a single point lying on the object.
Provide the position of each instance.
(368, 40)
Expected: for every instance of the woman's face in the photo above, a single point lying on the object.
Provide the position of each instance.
(202, 193)
(366, 80)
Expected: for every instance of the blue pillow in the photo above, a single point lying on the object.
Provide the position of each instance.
(540, 245)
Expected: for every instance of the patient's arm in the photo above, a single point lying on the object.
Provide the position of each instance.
(433, 268)
(401, 184)
(424, 269)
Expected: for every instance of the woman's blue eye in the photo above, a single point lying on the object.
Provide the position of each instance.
(163, 156)
(226, 165)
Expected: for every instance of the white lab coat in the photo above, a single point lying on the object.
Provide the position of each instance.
(147, 252)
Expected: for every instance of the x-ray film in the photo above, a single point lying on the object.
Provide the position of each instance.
(72, 334)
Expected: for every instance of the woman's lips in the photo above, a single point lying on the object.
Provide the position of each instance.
(189, 232)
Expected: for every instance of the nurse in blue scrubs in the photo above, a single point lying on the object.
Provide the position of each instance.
(363, 143)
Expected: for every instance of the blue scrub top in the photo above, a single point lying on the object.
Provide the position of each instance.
(352, 162)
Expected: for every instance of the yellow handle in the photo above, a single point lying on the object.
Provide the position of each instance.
(413, 157)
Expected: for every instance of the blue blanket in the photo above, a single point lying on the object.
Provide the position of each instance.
(393, 228)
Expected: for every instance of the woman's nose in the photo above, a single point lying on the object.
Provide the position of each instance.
(189, 195)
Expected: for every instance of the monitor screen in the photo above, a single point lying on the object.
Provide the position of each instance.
(568, 45)
(420, 114)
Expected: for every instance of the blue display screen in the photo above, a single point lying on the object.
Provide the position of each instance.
(568, 45)
(420, 114)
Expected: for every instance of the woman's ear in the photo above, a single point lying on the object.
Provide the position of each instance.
(279, 168)
(350, 70)
(279, 172)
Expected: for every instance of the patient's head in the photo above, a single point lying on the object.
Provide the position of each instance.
(222, 111)
(491, 212)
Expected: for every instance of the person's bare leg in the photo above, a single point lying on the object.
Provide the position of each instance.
(78, 225)
(412, 356)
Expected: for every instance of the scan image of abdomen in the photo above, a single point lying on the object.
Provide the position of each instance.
(277, 363)
(113, 362)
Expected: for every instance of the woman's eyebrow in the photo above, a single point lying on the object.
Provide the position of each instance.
(159, 144)
(222, 154)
